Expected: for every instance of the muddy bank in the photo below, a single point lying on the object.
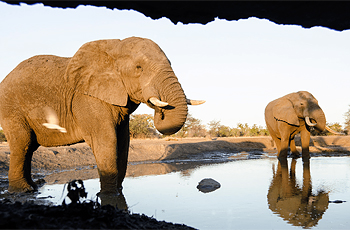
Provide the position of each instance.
(80, 156)
(62, 164)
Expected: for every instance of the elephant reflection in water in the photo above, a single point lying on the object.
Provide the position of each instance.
(116, 200)
(298, 206)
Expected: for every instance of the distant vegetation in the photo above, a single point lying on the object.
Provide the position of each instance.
(347, 121)
(335, 126)
(2, 136)
(141, 126)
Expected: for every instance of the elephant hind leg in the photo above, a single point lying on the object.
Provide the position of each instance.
(277, 142)
(22, 142)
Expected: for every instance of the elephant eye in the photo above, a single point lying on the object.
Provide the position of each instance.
(138, 67)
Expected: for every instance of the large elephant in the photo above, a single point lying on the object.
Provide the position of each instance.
(291, 114)
(52, 101)
(296, 204)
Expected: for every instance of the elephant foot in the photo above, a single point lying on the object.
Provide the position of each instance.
(26, 189)
(295, 155)
(283, 161)
(22, 186)
(306, 157)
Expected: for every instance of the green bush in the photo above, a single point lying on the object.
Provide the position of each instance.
(142, 126)
(191, 128)
(2, 136)
(334, 126)
(242, 130)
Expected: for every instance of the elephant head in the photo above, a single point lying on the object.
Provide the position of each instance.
(134, 69)
(300, 105)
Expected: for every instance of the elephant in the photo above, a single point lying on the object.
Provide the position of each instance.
(53, 101)
(296, 204)
(292, 114)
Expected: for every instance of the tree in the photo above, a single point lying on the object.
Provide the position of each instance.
(347, 121)
(218, 130)
(334, 126)
(2, 136)
(224, 131)
(214, 127)
(192, 128)
(141, 126)
(256, 130)
(244, 129)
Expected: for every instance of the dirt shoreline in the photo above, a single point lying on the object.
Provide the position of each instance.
(54, 159)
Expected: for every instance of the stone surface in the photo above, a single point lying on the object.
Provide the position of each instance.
(208, 185)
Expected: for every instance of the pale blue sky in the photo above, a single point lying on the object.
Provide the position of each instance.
(236, 66)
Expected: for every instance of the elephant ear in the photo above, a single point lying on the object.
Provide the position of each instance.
(284, 111)
(92, 71)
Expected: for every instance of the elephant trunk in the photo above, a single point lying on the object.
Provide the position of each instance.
(170, 118)
(317, 115)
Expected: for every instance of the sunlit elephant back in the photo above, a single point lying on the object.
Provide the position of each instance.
(296, 204)
(51, 101)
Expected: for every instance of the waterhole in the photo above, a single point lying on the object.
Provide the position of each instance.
(253, 194)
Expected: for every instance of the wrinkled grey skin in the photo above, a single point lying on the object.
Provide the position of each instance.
(92, 94)
(285, 117)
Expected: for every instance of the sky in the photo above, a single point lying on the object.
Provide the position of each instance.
(238, 67)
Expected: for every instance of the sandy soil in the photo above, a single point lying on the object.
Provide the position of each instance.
(63, 164)
(52, 159)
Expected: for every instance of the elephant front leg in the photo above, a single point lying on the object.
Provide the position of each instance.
(123, 143)
(106, 159)
(22, 145)
(112, 157)
(305, 142)
(98, 123)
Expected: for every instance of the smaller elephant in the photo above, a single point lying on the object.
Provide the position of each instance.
(291, 114)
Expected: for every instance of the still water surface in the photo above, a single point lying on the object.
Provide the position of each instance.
(254, 194)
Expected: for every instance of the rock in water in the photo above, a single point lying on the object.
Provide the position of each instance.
(208, 185)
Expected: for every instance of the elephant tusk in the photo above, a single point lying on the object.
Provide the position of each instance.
(332, 131)
(194, 102)
(308, 122)
(155, 101)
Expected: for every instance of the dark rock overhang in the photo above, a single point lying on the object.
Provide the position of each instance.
(331, 14)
